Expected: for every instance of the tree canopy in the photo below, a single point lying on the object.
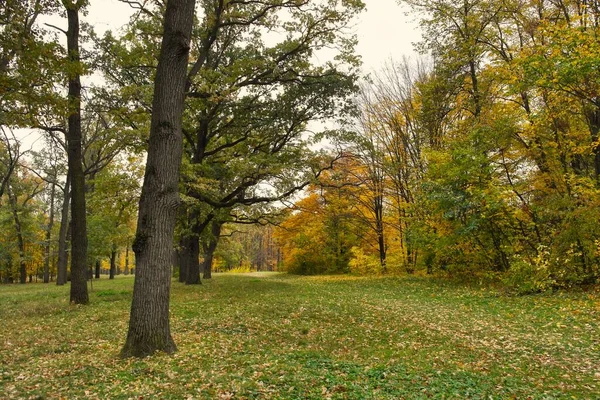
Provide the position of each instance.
(243, 135)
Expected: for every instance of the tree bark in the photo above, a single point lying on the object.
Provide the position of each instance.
(378, 208)
(22, 264)
(97, 267)
(113, 262)
(190, 254)
(79, 291)
(127, 259)
(47, 243)
(61, 275)
(209, 250)
(149, 325)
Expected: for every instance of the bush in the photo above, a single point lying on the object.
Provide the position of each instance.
(364, 264)
(526, 277)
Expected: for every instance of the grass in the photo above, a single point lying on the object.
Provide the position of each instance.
(272, 336)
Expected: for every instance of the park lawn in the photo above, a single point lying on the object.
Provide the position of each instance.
(276, 336)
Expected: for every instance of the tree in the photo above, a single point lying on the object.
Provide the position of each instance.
(112, 206)
(149, 327)
(49, 163)
(79, 292)
(249, 103)
(10, 154)
(320, 230)
(22, 190)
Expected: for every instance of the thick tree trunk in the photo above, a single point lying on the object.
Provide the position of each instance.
(210, 248)
(113, 262)
(79, 291)
(47, 243)
(149, 326)
(61, 275)
(190, 254)
(97, 269)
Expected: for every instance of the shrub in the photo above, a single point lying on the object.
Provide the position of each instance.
(364, 264)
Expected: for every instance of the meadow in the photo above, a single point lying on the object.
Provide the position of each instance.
(277, 336)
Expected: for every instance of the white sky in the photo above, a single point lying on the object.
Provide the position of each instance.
(383, 30)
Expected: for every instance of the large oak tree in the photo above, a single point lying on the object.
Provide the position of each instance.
(149, 327)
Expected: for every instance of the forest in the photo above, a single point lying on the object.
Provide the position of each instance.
(427, 229)
(481, 157)
(244, 136)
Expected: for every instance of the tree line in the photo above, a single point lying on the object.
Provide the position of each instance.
(482, 159)
(216, 95)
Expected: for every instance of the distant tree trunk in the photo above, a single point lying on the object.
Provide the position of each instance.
(190, 252)
(61, 276)
(210, 248)
(21, 242)
(190, 265)
(113, 262)
(118, 262)
(180, 263)
(47, 243)
(380, 232)
(127, 259)
(98, 265)
(79, 291)
(149, 326)
(190, 259)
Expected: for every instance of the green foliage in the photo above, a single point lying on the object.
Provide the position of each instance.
(527, 277)
(112, 203)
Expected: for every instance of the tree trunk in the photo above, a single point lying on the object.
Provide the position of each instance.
(79, 291)
(149, 326)
(47, 243)
(22, 265)
(190, 252)
(97, 267)
(61, 273)
(180, 263)
(378, 208)
(113, 262)
(118, 261)
(210, 248)
(127, 259)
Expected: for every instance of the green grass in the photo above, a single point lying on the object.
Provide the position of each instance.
(271, 336)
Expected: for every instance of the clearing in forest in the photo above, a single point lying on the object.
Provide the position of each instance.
(276, 336)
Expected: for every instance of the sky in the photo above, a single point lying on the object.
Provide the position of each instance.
(384, 31)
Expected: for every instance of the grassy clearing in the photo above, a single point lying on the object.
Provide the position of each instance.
(270, 336)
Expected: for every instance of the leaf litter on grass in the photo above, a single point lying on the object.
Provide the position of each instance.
(287, 337)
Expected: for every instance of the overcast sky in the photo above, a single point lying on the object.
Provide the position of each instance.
(384, 31)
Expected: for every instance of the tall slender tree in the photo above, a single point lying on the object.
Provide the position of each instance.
(79, 292)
